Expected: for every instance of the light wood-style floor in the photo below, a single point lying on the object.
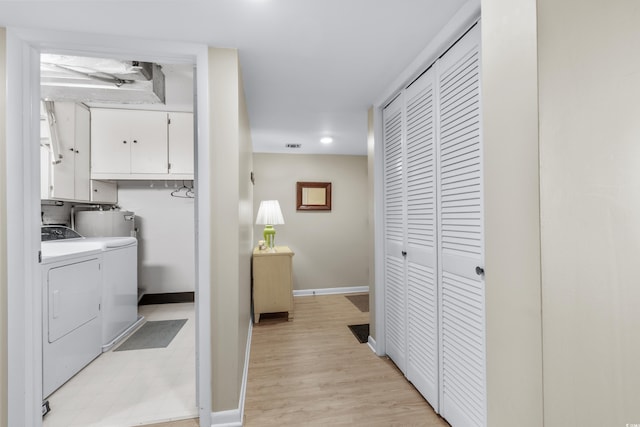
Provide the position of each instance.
(312, 371)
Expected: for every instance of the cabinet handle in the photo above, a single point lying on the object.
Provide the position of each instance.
(479, 271)
(404, 253)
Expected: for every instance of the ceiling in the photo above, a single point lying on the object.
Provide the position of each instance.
(311, 68)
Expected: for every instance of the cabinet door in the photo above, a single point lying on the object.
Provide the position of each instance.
(181, 143)
(149, 141)
(104, 192)
(45, 172)
(110, 141)
(62, 173)
(272, 283)
(82, 150)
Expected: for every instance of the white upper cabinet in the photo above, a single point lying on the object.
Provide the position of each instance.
(128, 142)
(181, 143)
(140, 144)
(68, 177)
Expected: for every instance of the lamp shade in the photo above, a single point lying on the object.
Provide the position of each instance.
(269, 213)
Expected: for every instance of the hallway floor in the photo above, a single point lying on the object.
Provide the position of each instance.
(312, 371)
(135, 387)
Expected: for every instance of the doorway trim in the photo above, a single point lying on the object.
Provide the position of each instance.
(23, 203)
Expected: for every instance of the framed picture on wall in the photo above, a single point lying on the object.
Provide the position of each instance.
(313, 196)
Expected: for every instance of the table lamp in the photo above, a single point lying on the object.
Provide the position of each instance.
(269, 214)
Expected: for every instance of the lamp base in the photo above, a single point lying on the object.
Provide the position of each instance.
(269, 236)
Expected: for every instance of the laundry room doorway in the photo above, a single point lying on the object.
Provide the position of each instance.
(25, 342)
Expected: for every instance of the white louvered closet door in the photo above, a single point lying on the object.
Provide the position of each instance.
(422, 296)
(394, 232)
(463, 379)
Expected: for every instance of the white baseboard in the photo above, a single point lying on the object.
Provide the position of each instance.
(330, 291)
(235, 417)
(230, 418)
(372, 344)
(245, 373)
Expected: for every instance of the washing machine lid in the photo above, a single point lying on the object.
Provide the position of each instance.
(106, 243)
(57, 232)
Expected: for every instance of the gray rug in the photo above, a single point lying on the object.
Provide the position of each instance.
(153, 334)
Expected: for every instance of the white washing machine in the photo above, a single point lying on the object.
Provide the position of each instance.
(119, 287)
(71, 321)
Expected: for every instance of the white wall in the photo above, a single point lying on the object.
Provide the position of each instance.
(165, 235)
(589, 71)
(512, 213)
(331, 248)
(231, 227)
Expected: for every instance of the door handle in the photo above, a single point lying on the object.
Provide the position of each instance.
(479, 271)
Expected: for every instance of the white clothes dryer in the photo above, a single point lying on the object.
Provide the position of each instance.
(71, 316)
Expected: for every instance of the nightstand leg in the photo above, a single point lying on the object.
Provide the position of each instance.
(256, 317)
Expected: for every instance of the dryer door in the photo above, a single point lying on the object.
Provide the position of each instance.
(73, 297)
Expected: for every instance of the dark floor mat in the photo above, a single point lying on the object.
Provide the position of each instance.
(153, 334)
(360, 301)
(361, 332)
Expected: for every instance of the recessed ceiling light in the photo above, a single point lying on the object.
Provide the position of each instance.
(326, 140)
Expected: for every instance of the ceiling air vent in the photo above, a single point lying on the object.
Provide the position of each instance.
(294, 145)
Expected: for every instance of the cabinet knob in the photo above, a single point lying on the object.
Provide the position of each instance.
(124, 142)
(95, 190)
(135, 141)
(404, 253)
(479, 271)
(77, 152)
(71, 149)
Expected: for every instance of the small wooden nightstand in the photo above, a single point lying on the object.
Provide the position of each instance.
(272, 282)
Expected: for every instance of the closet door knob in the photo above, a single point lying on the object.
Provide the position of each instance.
(479, 271)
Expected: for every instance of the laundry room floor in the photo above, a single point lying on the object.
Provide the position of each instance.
(134, 387)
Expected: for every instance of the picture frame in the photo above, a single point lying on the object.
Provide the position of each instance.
(313, 196)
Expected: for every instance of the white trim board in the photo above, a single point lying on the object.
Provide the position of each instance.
(235, 417)
(330, 291)
(371, 342)
(230, 418)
